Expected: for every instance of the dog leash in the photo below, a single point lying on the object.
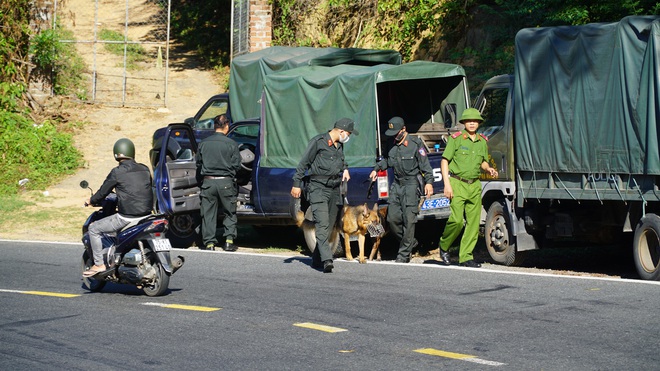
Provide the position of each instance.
(371, 189)
(343, 189)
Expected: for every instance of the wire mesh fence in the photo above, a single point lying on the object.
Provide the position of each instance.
(240, 27)
(125, 45)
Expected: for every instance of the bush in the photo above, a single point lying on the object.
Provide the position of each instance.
(58, 63)
(37, 152)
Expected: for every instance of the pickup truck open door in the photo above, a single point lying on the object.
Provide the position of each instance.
(176, 186)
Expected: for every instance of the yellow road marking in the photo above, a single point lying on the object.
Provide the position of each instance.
(42, 293)
(459, 356)
(442, 353)
(184, 307)
(315, 326)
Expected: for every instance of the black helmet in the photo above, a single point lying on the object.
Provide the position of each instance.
(124, 149)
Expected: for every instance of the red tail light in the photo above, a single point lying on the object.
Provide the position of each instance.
(383, 185)
(157, 225)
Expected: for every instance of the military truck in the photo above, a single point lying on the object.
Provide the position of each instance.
(574, 134)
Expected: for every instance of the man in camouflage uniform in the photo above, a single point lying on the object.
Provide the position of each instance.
(408, 159)
(218, 160)
(464, 157)
(324, 158)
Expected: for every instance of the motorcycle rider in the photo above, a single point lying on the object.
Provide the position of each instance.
(132, 183)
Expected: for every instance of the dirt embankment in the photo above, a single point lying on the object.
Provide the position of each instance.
(189, 86)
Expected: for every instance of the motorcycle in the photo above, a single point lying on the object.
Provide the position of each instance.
(137, 255)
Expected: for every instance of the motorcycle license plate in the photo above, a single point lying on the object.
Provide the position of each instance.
(162, 245)
(435, 203)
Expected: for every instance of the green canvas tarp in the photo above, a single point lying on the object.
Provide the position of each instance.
(247, 71)
(587, 98)
(306, 101)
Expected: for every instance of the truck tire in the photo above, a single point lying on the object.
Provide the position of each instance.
(500, 242)
(183, 231)
(646, 247)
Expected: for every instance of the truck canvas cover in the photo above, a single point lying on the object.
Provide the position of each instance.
(306, 101)
(587, 98)
(247, 71)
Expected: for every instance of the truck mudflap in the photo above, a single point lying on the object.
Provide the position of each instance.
(434, 207)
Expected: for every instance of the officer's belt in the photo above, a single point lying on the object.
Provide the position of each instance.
(468, 181)
(406, 179)
(324, 177)
(216, 177)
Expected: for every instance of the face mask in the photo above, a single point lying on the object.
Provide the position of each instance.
(344, 139)
(399, 136)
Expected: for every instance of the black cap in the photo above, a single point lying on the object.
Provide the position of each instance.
(394, 125)
(347, 124)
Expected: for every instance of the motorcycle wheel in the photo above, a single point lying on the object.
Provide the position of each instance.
(88, 282)
(162, 280)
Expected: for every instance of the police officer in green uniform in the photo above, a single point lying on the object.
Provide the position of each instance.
(464, 157)
(218, 160)
(408, 159)
(324, 158)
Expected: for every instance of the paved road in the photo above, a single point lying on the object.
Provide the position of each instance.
(246, 312)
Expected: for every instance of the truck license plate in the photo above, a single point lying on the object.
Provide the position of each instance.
(162, 244)
(435, 203)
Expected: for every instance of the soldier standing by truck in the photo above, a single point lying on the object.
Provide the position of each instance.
(408, 159)
(324, 158)
(466, 154)
(218, 160)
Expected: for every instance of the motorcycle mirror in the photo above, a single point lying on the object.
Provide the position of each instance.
(85, 185)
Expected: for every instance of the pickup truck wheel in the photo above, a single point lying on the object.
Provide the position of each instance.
(646, 247)
(182, 230)
(500, 242)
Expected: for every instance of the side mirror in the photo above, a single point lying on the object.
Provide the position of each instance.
(190, 121)
(85, 185)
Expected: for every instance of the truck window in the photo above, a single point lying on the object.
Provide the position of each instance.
(205, 121)
(494, 111)
(248, 134)
(180, 146)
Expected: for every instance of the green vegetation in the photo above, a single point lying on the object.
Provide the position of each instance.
(40, 153)
(203, 26)
(134, 52)
(32, 148)
(477, 34)
(58, 62)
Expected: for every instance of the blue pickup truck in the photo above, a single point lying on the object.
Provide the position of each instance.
(297, 105)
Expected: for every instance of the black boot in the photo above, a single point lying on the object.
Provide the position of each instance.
(328, 266)
(444, 258)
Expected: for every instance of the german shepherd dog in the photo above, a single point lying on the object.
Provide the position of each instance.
(354, 221)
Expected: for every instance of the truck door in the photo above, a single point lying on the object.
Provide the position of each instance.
(494, 102)
(175, 180)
